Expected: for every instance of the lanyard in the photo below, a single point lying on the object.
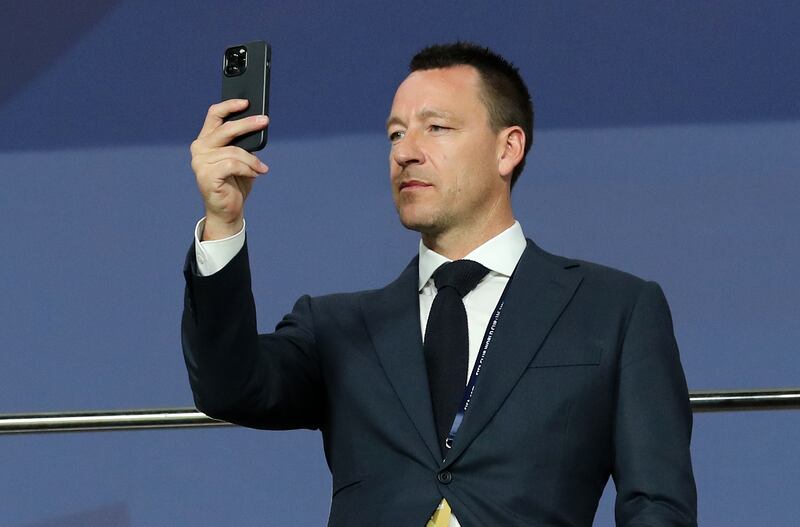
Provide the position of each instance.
(469, 390)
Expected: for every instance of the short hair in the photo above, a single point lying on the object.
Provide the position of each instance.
(504, 93)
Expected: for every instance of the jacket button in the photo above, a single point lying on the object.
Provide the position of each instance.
(444, 477)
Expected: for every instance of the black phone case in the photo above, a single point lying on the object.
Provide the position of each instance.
(253, 85)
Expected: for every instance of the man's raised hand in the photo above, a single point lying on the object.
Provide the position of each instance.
(225, 173)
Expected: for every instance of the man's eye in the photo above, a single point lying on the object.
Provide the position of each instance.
(394, 136)
(437, 128)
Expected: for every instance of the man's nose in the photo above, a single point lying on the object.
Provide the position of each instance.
(407, 151)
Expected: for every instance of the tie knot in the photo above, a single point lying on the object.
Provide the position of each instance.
(461, 275)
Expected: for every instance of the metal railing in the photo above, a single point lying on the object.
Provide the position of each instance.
(701, 401)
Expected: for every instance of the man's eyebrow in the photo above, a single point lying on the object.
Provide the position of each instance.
(393, 119)
(425, 113)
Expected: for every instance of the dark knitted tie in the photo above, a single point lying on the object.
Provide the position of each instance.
(447, 341)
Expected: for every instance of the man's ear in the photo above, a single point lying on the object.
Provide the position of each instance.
(510, 149)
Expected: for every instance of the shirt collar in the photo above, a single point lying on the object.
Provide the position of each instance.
(500, 254)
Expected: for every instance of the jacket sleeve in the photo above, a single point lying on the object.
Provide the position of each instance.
(653, 424)
(262, 381)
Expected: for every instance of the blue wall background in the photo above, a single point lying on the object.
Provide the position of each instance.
(666, 145)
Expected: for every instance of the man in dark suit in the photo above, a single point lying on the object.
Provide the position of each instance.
(566, 372)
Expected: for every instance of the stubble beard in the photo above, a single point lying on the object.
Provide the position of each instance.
(427, 223)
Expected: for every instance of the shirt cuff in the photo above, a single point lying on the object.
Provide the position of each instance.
(213, 255)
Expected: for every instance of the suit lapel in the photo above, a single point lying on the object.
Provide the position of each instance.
(538, 293)
(392, 319)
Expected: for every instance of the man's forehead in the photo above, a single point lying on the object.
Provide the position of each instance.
(436, 92)
(454, 77)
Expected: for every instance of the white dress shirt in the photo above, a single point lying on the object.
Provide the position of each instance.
(213, 255)
(500, 255)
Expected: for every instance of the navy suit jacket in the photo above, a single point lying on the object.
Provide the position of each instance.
(582, 381)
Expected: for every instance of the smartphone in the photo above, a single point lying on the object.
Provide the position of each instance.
(245, 75)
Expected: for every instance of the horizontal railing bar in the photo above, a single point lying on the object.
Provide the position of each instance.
(106, 420)
(701, 401)
(740, 400)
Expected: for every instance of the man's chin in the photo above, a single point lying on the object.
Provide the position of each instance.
(419, 225)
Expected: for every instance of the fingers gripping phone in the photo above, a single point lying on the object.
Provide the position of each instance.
(245, 75)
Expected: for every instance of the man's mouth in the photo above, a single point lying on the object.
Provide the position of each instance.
(413, 184)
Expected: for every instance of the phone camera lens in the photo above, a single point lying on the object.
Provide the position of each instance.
(235, 61)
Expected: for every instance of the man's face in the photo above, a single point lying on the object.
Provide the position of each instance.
(444, 155)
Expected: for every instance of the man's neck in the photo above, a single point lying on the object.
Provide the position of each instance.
(456, 244)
